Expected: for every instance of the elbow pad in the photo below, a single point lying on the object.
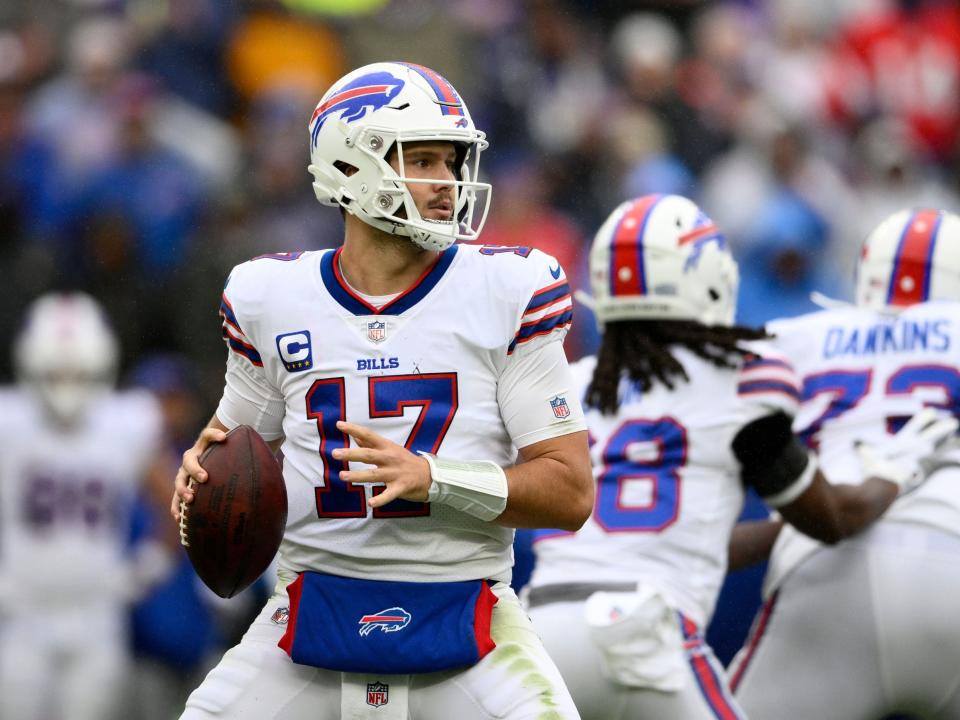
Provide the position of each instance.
(772, 460)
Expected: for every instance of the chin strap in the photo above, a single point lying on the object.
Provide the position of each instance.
(476, 488)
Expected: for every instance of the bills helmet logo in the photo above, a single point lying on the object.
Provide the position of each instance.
(378, 694)
(560, 408)
(704, 231)
(376, 331)
(389, 620)
(356, 98)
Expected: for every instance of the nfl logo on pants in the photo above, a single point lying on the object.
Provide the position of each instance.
(378, 694)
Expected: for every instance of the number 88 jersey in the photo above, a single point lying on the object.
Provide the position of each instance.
(669, 487)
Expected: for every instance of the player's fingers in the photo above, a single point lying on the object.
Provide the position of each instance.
(364, 436)
(364, 455)
(371, 475)
(191, 462)
(212, 435)
(389, 494)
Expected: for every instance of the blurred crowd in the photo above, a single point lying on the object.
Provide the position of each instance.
(147, 146)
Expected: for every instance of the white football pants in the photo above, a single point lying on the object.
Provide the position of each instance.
(860, 630)
(703, 695)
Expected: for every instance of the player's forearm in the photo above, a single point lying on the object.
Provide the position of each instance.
(860, 505)
(830, 513)
(751, 542)
(553, 489)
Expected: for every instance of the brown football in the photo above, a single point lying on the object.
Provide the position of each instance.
(234, 525)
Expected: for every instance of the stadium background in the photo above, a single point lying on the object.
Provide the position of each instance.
(147, 146)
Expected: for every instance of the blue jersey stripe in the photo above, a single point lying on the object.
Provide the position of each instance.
(248, 351)
(547, 297)
(546, 325)
(758, 386)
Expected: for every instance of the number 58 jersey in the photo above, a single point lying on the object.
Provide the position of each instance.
(435, 369)
(669, 486)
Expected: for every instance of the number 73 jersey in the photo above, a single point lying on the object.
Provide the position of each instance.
(428, 370)
(669, 487)
(864, 373)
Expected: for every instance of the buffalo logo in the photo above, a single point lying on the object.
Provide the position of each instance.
(389, 620)
(378, 694)
(376, 331)
(368, 92)
(281, 616)
(704, 231)
(560, 408)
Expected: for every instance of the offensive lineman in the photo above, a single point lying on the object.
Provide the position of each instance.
(398, 373)
(682, 417)
(869, 628)
(67, 573)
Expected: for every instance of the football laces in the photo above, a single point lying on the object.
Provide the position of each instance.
(183, 517)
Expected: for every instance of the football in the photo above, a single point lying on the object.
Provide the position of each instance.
(233, 527)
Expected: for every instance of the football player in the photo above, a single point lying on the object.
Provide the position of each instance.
(685, 410)
(420, 395)
(868, 628)
(72, 453)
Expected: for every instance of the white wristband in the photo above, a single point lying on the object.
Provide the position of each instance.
(476, 488)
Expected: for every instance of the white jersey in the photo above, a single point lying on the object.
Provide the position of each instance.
(427, 370)
(863, 374)
(65, 498)
(668, 483)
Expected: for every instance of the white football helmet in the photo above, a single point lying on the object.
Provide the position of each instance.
(659, 257)
(912, 256)
(66, 353)
(375, 109)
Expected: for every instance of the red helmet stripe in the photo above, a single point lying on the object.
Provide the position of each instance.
(910, 281)
(626, 249)
(441, 86)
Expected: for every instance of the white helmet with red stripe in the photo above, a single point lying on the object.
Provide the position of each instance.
(659, 257)
(67, 354)
(911, 257)
(371, 112)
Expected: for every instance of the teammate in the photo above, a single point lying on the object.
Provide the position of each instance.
(682, 416)
(72, 453)
(868, 628)
(398, 373)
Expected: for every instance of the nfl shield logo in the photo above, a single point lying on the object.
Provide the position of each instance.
(560, 407)
(378, 694)
(376, 331)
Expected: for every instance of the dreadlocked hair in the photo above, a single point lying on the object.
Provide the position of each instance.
(641, 348)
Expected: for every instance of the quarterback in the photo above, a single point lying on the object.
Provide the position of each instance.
(420, 395)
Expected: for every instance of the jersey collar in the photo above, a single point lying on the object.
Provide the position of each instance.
(341, 292)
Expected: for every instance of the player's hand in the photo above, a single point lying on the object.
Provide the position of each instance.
(190, 471)
(406, 476)
(910, 455)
